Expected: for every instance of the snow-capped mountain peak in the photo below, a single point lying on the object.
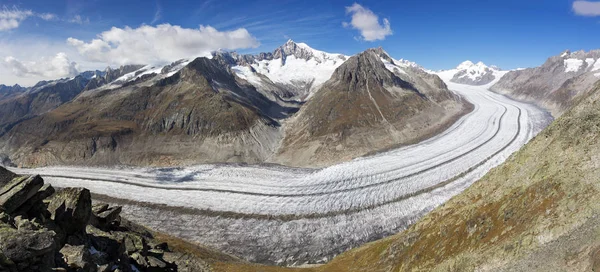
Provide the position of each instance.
(471, 67)
(305, 52)
(471, 73)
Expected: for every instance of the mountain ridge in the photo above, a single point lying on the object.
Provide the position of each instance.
(556, 83)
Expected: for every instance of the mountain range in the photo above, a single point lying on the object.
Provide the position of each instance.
(555, 84)
(296, 106)
(299, 106)
(538, 211)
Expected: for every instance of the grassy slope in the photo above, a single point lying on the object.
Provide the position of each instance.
(546, 193)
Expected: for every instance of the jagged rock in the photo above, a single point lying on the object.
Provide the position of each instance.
(28, 248)
(65, 239)
(103, 216)
(156, 252)
(24, 224)
(71, 208)
(18, 191)
(98, 208)
(77, 257)
(139, 260)
(155, 264)
(135, 243)
(36, 201)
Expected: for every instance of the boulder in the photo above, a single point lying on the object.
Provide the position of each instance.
(105, 217)
(36, 201)
(28, 249)
(135, 243)
(77, 257)
(155, 264)
(18, 191)
(71, 209)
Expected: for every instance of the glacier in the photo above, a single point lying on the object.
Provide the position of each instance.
(289, 216)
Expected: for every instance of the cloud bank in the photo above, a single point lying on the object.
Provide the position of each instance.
(54, 67)
(586, 8)
(364, 20)
(159, 44)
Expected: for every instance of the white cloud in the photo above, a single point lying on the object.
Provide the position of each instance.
(12, 18)
(77, 19)
(160, 44)
(54, 67)
(586, 8)
(48, 16)
(367, 22)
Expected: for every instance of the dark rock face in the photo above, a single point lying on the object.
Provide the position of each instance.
(71, 208)
(70, 235)
(18, 191)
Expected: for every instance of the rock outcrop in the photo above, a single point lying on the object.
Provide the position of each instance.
(44, 230)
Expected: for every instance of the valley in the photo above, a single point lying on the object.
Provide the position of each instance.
(290, 216)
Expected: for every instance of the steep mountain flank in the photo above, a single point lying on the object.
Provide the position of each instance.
(18, 103)
(38, 100)
(556, 83)
(365, 107)
(200, 114)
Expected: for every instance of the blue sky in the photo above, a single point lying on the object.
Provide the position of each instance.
(436, 34)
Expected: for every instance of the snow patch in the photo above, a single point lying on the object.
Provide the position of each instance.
(596, 66)
(573, 65)
(393, 68)
(316, 70)
(247, 74)
(590, 62)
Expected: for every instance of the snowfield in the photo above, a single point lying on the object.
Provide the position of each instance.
(280, 215)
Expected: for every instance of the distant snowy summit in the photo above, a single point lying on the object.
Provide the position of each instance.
(556, 83)
(475, 73)
(580, 61)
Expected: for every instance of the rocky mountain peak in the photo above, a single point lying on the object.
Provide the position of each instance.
(565, 53)
(291, 48)
(382, 54)
(366, 66)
